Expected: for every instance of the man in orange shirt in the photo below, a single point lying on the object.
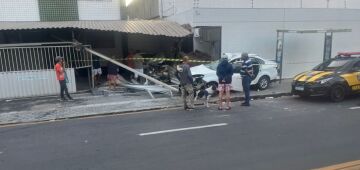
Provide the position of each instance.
(61, 77)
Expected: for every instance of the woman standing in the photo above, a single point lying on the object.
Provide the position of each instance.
(112, 75)
(224, 72)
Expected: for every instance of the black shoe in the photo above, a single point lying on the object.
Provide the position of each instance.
(71, 99)
(245, 104)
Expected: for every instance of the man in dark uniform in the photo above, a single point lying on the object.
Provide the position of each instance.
(186, 82)
(246, 74)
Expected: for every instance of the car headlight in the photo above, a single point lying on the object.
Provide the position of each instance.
(323, 81)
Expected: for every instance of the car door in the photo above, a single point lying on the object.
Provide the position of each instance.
(355, 80)
(236, 79)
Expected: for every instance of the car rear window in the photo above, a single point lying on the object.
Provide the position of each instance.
(331, 65)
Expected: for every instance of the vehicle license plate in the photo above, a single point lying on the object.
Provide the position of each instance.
(300, 88)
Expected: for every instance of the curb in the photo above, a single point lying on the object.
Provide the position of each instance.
(158, 108)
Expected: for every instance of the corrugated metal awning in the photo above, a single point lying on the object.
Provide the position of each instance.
(148, 27)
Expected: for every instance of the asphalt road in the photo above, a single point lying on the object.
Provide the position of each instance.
(280, 134)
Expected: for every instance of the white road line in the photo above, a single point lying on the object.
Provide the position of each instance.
(354, 108)
(183, 129)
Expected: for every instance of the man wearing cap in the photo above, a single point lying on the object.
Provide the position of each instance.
(246, 74)
(61, 77)
(186, 81)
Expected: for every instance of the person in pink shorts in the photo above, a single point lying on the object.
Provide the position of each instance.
(224, 72)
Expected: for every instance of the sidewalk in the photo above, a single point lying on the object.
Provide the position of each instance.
(50, 109)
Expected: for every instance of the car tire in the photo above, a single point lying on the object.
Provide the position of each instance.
(263, 83)
(337, 93)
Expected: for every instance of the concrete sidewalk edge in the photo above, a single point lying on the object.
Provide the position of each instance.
(233, 99)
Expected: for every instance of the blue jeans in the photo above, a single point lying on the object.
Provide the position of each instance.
(246, 81)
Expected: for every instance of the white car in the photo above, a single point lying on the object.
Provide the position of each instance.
(265, 70)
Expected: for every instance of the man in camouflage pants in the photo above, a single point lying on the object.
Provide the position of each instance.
(186, 82)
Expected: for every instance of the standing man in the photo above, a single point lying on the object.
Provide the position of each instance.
(246, 74)
(186, 83)
(224, 72)
(61, 77)
(97, 72)
(138, 65)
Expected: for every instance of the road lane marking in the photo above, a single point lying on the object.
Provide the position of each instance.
(354, 108)
(183, 129)
(354, 165)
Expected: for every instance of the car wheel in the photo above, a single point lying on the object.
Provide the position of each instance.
(337, 93)
(263, 83)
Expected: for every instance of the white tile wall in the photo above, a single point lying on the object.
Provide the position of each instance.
(99, 9)
(19, 10)
(182, 5)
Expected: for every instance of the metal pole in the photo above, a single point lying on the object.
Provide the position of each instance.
(327, 3)
(130, 69)
(1, 60)
(161, 9)
(328, 45)
(345, 3)
(280, 52)
(92, 72)
(174, 7)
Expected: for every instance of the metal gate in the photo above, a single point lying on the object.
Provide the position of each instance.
(27, 70)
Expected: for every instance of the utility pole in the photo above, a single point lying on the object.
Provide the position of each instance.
(328, 3)
(161, 14)
(345, 3)
(174, 7)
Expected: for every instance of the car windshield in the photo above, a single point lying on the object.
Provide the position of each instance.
(331, 65)
(213, 65)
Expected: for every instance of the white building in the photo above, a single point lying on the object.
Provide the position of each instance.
(251, 25)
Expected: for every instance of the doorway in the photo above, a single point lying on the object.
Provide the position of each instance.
(208, 40)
